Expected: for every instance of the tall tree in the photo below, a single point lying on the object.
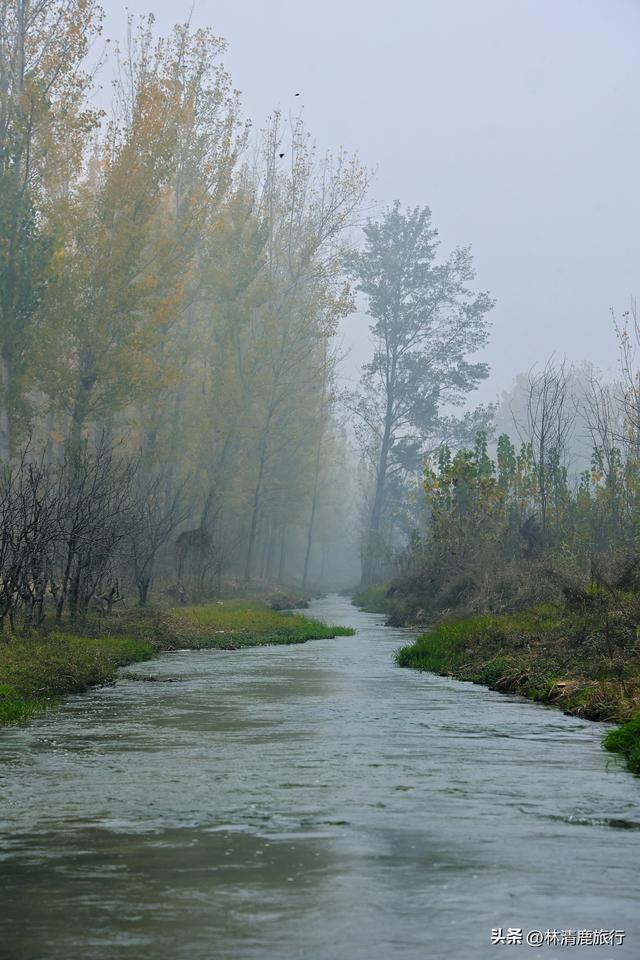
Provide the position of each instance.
(44, 121)
(425, 322)
(127, 276)
(307, 207)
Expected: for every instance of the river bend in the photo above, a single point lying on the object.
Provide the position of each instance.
(310, 801)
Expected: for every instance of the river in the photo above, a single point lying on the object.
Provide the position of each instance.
(310, 801)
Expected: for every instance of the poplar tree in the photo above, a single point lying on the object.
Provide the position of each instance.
(426, 322)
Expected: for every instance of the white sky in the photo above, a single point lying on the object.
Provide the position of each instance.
(516, 121)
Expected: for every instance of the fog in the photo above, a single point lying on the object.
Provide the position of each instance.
(516, 122)
(330, 308)
(268, 270)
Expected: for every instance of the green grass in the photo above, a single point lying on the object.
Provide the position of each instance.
(473, 643)
(372, 599)
(626, 740)
(547, 653)
(232, 625)
(14, 707)
(37, 670)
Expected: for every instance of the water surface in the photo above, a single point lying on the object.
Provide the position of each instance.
(311, 801)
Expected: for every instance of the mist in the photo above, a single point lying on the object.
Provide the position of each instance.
(514, 122)
(319, 402)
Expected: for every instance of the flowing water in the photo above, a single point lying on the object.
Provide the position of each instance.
(315, 802)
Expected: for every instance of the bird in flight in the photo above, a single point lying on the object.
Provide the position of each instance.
(296, 94)
(281, 155)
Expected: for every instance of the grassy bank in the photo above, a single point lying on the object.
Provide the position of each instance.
(372, 599)
(37, 670)
(233, 625)
(587, 662)
(400, 610)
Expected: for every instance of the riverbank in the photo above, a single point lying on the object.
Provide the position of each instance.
(321, 782)
(38, 669)
(583, 661)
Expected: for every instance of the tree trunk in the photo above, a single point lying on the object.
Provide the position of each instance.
(5, 416)
(282, 563)
(74, 594)
(307, 554)
(316, 479)
(369, 565)
(268, 553)
(174, 432)
(66, 576)
(314, 507)
(253, 529)
(82, 401)
(49, 448)
(257, 494)
(142, 584)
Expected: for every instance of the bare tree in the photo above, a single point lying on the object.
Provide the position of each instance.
(628, 333)
(550, 418)
(158, 518)
(96, 517)
(28, 530)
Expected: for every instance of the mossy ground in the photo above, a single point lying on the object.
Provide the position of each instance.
(38, 669)
(567, 658)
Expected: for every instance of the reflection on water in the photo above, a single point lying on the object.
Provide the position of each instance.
(310, 802)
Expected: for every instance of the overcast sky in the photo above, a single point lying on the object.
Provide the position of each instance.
(516, 121)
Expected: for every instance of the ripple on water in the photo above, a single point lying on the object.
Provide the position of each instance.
(309, 801)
